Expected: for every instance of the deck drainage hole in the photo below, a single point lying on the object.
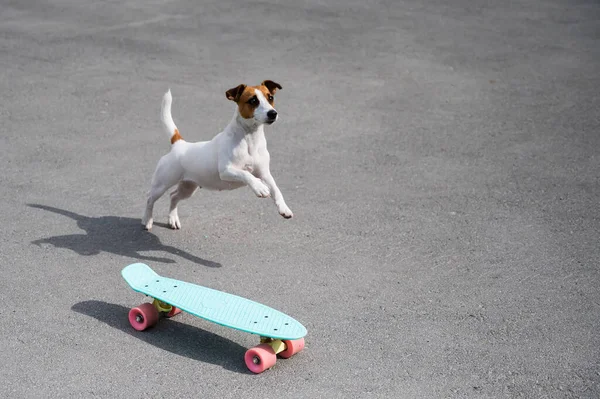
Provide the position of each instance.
(146, 285)
(157, 281)
(287, 324)
(164, 291)
(274, 329)
(266, 317)
(255, 322)
(174, 286)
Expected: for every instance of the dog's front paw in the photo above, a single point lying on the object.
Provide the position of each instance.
(261, 190)
(286, 212)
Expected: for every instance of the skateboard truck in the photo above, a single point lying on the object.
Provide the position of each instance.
(165, 308)
(277, 344)
(162, 306)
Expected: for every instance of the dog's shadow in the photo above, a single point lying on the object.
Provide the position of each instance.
(175, 337)
(117, 235)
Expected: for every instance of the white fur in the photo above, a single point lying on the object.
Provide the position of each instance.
(234, 158)
(165, 114)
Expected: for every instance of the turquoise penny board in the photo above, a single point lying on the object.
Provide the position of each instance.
(216, 306)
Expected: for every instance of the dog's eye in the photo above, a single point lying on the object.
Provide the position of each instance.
(271, 99)
(253, 101)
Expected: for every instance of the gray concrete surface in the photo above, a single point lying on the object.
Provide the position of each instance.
(441, 159)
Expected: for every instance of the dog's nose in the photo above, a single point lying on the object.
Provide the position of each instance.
(272, 114)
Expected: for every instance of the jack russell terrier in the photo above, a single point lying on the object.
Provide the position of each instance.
(234, 158)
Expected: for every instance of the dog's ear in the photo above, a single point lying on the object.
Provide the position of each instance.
(271, 86)
(235, 93)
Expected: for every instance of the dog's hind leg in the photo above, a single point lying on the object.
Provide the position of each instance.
(156, 191)
(168, 172)
(185, 189)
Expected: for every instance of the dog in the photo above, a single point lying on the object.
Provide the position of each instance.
(234, 158)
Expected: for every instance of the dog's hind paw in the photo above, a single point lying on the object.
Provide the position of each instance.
(147, 225)
(174, 222)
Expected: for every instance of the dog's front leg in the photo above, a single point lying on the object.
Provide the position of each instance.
(282, 207)
(231, 173)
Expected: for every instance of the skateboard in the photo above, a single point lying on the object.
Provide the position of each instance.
(279, 333)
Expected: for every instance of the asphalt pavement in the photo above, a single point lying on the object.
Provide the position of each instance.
(441, 159)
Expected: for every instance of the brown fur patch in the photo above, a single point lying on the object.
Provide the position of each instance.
(176, 137)
(246, 109)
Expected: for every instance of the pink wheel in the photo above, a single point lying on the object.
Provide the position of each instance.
(260, 358)
(174, 311)
(292, 347)
(143, 316)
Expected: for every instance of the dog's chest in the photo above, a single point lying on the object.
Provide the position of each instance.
(246, 156)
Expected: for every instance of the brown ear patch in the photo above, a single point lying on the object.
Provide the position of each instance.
(235, 93)
(271, 86)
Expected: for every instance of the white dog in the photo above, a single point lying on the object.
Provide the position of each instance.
(234, 158)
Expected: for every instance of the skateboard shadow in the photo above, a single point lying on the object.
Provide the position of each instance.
(175, 337)
(117, 235)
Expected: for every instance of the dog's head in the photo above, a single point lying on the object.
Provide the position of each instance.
(255, 103)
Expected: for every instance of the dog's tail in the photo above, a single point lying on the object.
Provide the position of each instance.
(167, 119)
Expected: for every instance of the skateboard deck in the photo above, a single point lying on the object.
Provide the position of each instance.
(216, 306)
